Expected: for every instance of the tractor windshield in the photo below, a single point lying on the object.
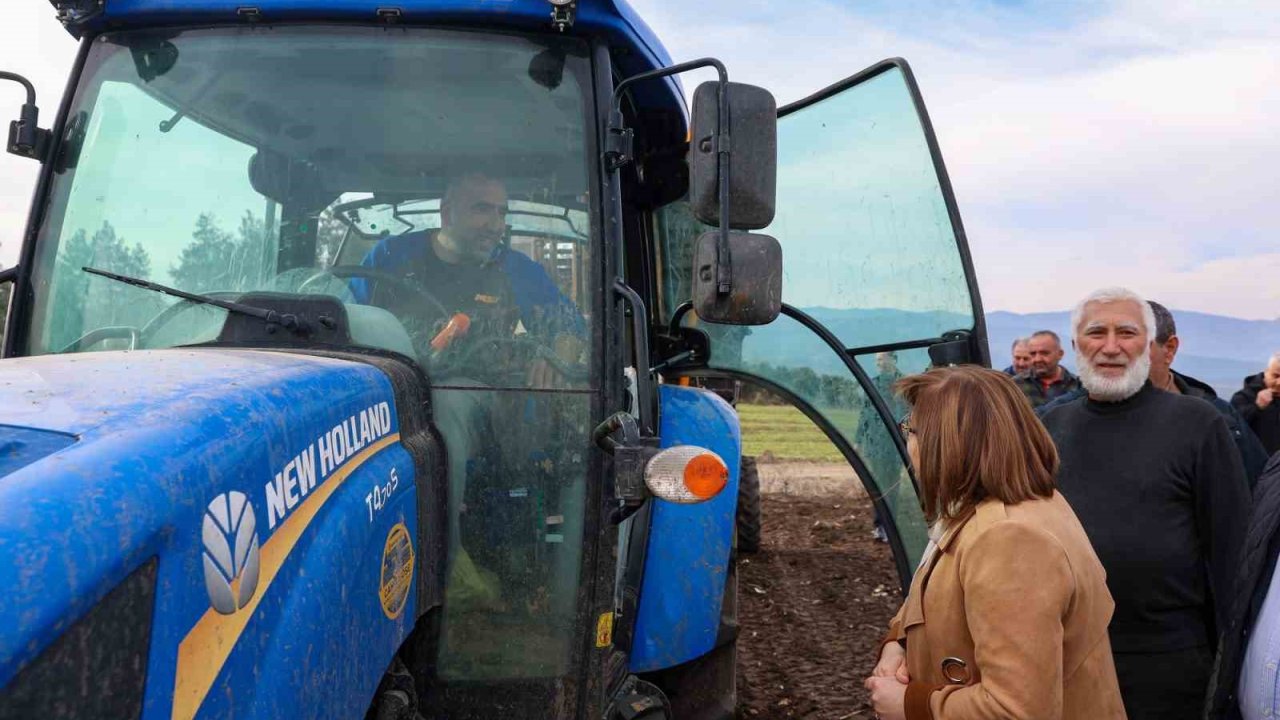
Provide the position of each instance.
(434, 184)
(320, 162)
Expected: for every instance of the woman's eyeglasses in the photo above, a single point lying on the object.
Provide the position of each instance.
(904, 427)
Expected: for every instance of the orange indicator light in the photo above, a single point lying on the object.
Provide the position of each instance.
(705, 475)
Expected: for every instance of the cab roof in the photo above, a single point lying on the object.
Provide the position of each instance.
(613, 20)
(633, 46)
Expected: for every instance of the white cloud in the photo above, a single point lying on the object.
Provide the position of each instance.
(1067, 265)
(1128, 142)
(1104, 141)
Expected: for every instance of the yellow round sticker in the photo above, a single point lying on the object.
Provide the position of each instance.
(397, 571)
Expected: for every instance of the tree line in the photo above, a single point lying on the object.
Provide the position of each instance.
(213, 260)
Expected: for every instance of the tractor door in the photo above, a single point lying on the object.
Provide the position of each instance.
(877, 280)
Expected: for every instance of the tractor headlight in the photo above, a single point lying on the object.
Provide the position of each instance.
(686, 474)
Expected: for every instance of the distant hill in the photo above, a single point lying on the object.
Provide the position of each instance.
(1216, 349)
(787, 342)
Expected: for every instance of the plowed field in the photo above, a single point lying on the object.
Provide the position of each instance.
(815, 602)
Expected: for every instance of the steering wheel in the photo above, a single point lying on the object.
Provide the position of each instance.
(421, 323)
(506, 360)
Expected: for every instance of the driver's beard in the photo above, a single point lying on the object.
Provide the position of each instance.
(469, 250)
(478, 253)
(1113, 389)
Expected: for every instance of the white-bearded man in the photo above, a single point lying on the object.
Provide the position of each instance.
(1157, 482)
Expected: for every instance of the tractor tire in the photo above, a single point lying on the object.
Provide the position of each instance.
(748, 518)
(396, 697)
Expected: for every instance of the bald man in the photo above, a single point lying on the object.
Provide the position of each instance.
(1259, 404)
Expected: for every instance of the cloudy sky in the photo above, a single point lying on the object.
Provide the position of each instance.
(1089, 143)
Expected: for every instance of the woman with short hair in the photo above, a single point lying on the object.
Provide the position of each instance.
(1008, 610)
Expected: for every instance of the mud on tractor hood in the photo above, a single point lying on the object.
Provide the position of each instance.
(47, 403)
(20, 446)
(110, 459)
(90, 393)
(53, 403)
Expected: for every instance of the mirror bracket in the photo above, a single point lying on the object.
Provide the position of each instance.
(686, 348)
(26, 137)
(619, 143)
(562, 14)
(720, 143)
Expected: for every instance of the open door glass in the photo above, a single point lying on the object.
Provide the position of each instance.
(876, 273)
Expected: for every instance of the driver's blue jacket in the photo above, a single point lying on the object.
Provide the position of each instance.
(544, 310)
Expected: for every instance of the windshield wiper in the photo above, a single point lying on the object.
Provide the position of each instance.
(288, 321)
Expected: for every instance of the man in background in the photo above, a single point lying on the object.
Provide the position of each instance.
(1021, 353)
(1248, 665)
(1047, 380)
(1164, 377)
(1257, 404)
(881, 456)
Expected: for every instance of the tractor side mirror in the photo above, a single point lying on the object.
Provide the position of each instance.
(755, 267)
(733, 169)
(26, 137)
(753, 146)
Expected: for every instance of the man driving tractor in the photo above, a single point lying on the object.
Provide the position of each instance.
(485, 291)
(466, 266)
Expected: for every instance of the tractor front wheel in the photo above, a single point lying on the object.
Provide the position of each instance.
(748, 518)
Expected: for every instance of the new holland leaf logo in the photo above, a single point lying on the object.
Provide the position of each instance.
(230, 552)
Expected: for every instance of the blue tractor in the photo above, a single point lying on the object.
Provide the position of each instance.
(346, 366)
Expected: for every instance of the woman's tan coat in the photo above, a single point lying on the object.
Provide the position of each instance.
(1017, 594)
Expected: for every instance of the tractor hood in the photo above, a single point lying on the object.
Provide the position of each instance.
(111, 461)
(20, 446)
(87, 395)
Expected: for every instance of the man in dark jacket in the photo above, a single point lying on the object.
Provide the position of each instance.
(1252, 590)
(1163, 376)
(1021, 353)
(1046, 380)
(1259, 404)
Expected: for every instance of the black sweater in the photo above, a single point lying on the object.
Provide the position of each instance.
(1160, 490)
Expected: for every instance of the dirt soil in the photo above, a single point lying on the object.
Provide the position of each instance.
(815, 602)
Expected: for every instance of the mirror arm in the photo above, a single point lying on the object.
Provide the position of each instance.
(26, 138)
(618, 149)
(640, 341)
(724, 277)
(664, 72)
(9, 275)
(673, 328)
(25, 83)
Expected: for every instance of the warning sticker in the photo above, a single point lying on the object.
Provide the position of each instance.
(397, 571)
(604, 630)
